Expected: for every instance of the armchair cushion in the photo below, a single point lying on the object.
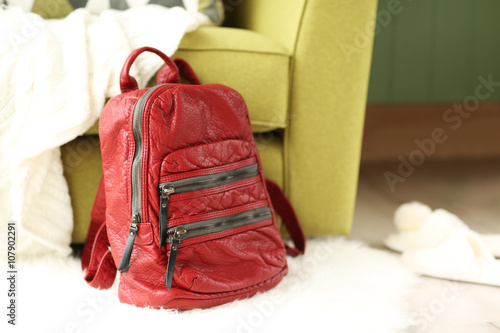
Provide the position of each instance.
(252, 64)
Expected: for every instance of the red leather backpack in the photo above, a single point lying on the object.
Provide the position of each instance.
(183, 205)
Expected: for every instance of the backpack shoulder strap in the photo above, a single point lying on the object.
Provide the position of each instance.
(284, 208)
(100, 269)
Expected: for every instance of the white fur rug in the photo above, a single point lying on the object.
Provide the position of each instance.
(338, 286)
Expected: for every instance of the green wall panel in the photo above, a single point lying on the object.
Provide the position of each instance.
(433, 51)
(486, 51)
(382, 63)
(411, 53)
(451, 68)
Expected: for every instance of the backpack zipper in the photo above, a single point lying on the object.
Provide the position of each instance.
(195, 184)
(201, 228)
(127, 251)
(136, 177)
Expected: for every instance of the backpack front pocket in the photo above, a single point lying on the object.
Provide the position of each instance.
(204, 209)
(214, 228)
(217, 179)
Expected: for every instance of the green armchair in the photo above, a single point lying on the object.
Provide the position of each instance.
(303, 72)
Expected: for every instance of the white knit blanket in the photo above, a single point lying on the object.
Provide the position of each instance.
(54, 78)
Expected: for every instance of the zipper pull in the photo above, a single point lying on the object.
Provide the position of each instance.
(165, 192)
(127, 251)
(179, 233)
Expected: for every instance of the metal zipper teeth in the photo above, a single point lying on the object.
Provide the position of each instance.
(197, 183)
(137, 160)
(220, 224)
(213, 180)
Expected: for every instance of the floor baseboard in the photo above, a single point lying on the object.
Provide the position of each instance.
(433, 131)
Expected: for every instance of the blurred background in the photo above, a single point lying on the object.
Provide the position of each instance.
(432, 127)
(432, 134)
(427, 57)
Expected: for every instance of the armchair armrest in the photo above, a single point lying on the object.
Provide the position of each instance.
(276, 19)
(331, 45)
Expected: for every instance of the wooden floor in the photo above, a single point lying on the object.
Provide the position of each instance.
(468, 188)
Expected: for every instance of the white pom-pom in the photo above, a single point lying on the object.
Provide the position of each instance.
(409, 216)
(437, 227)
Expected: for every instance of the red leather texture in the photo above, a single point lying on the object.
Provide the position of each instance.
(282, 206)
(186, 71)
(186, 131)
(100, 269)
(207, 201)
